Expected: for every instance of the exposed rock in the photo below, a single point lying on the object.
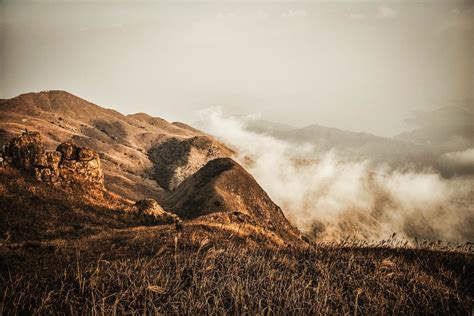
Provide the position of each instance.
(68, 164)
(82, 171)
(53, 158)
(68, 151)
(26, 151)
(152, 213)
(85, 154)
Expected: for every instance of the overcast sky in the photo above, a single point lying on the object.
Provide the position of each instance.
(354, 65)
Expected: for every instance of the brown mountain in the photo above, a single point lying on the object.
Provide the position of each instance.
(222, 191)
(67, 243)
(185, 170)
(136, 150)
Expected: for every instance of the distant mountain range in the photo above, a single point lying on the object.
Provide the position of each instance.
(420, 148)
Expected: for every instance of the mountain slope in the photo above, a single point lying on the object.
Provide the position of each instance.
(65, 248)
(123, 141)
(148, 157)
(224, 191)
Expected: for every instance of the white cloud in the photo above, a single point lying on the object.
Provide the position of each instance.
(384, 12)
(346, 197)
(458, 21)
(261, 14)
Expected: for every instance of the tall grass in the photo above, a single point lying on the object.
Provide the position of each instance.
(205, 278)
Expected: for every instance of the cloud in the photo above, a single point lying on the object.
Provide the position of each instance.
(465, 157)
(384, 12)
(261, 14)
(458, 21)
(333, 197)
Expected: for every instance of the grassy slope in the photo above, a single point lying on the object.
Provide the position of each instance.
(106, 262)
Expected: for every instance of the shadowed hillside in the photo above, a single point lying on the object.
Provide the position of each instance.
(224, 191)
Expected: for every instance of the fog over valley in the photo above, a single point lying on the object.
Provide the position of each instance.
(336, 184)
(236, 157)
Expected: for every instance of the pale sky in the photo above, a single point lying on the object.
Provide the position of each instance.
(355, 65)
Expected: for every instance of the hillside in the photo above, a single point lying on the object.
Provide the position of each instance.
(127, 144)
(81, 233)
(222, 191)
(84, 255)
(77, 172)
(354, 145)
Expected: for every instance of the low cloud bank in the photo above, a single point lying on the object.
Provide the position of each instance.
(331, 197)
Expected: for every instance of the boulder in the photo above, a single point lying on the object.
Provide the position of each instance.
(152, 213)
(76, 171)
(68, 151)
(26, 150)
(85, 154)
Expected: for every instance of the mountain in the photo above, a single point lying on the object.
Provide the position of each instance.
(223, 192)
(451, 128)
(74, 241)
(414, 148)
(138, 157)
(129, 146)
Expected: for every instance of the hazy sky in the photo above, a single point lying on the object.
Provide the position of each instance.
(356, 65)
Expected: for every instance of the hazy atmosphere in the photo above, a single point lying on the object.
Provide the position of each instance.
(236, 157)
(364, 66)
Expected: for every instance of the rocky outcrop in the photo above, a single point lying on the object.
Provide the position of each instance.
(67, 165)
(151, 213)
(25, 151)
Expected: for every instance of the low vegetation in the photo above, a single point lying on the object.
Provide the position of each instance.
(187, 273)
(62, 252)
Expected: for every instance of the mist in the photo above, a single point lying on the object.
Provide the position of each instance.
(330, 196)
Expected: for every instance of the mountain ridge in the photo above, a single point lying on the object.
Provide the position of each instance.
(122, 140)
(176, 154)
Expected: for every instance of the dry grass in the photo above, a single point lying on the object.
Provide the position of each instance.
(188, 276)
(64, 255)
